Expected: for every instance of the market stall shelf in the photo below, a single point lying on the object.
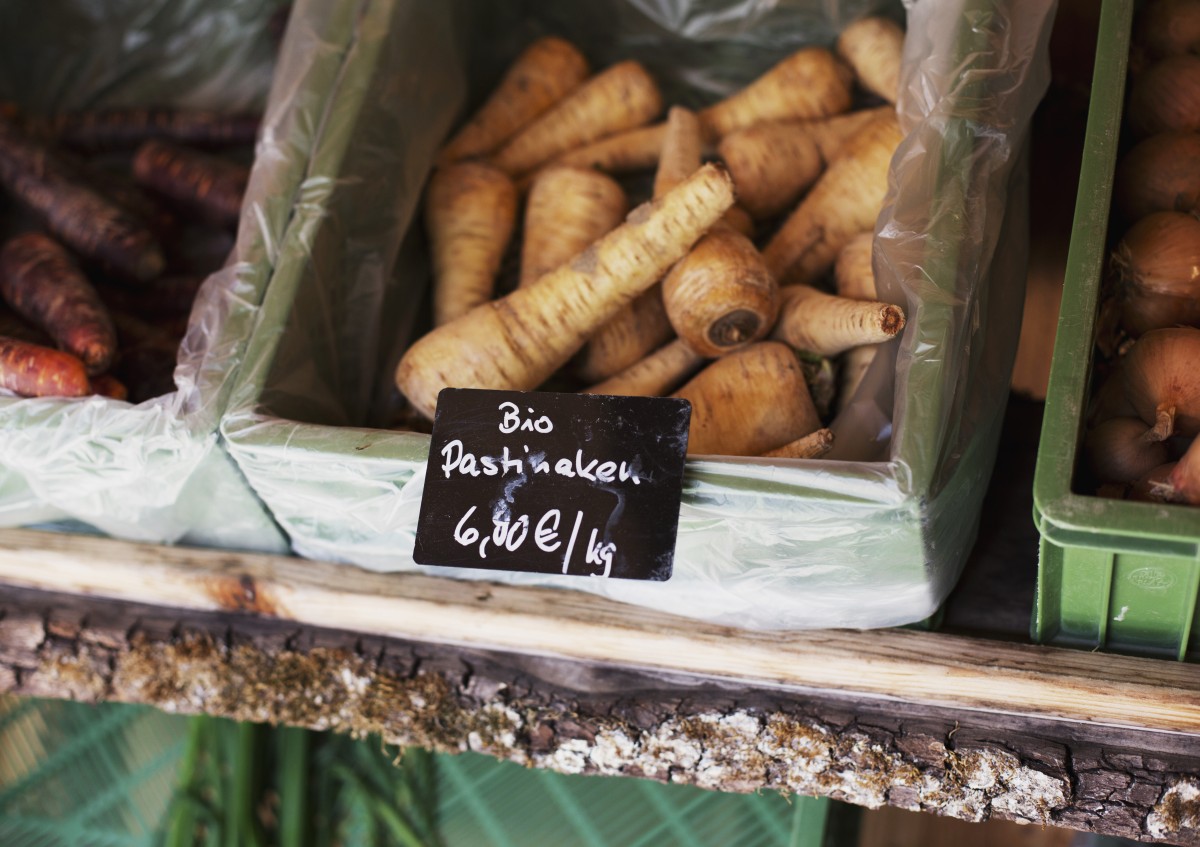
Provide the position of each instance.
(960, 726)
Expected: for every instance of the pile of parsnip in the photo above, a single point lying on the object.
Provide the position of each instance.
(1141, 443)
(715, 288)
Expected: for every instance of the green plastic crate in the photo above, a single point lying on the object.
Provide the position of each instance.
(1112, 574)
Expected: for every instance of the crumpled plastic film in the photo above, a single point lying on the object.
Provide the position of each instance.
(877, 534)
(156, 471)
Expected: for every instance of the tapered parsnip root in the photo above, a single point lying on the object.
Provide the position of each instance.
(739, 220)
(855, 276)
(855, 280)
(771, 165)
(853, 271)
(518, 341)
(654, 376)
(873, 48)
(812, 446)
(682, 149)
(547, 70)
(42, 283)
(831, 134)
(469, 213)
(643, 326)
(568, 209)
(826, 324)
(844, 202)
(620, 98)
(811, 83)
(632, 334)
(721, 296)
(626, 152)
(30, 370)
(749, 402)
(855, 363)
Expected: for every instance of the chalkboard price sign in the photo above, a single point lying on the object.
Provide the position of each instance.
(576, 484)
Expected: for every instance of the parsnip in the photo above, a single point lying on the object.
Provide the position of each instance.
(873, 48)
(643, 326)
(749, 402)
(620, 98)
(811, 83)
(844, 202)
(545, 72)
(656, 375)
(856, 280)
(773, 163)
(518, 341)
(720, 296)
(633, 150)
(469, 213)
(811, 446)
(828, 325)
(567, 209)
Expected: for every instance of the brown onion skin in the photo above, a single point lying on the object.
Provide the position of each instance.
(1160, 174)
(1161, 378)
(1154, 487)
(1166, 97)
(1184, 479)
(1118, 451)
(1157, 264)
(1168, 28)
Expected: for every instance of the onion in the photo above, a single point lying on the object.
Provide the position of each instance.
(1158, 271)
(1166, 97)
(1154, 486)
(1160, 174)
(1168, 28)
(1161, 375)
(1184, 480)
(1109, 401)
(1118, 450)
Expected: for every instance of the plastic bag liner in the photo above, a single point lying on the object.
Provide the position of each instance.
(154, 471)
(875, 535)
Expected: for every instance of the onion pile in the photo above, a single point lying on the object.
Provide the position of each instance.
(1142, 440)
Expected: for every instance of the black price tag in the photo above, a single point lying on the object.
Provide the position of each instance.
(554, 483)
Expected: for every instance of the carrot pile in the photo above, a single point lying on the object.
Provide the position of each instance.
(120, 214)
(1141, 442)
(717, 287)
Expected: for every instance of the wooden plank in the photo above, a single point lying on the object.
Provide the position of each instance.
(585, 717)
(918, 667)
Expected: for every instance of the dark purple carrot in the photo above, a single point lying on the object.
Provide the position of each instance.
(97, 229)
(43, 284)
(147, 357)
(165, 297)
(122, 191)
(107, 130)
(31, 370)
(205, 184)
(14, 326)
(107, 385)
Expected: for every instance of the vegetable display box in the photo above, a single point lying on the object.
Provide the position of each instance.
(875, 533)
(1113, 574)
(154, 470)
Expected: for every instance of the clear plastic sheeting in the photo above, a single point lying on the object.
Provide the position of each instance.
(877, 534)
(155, 471)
